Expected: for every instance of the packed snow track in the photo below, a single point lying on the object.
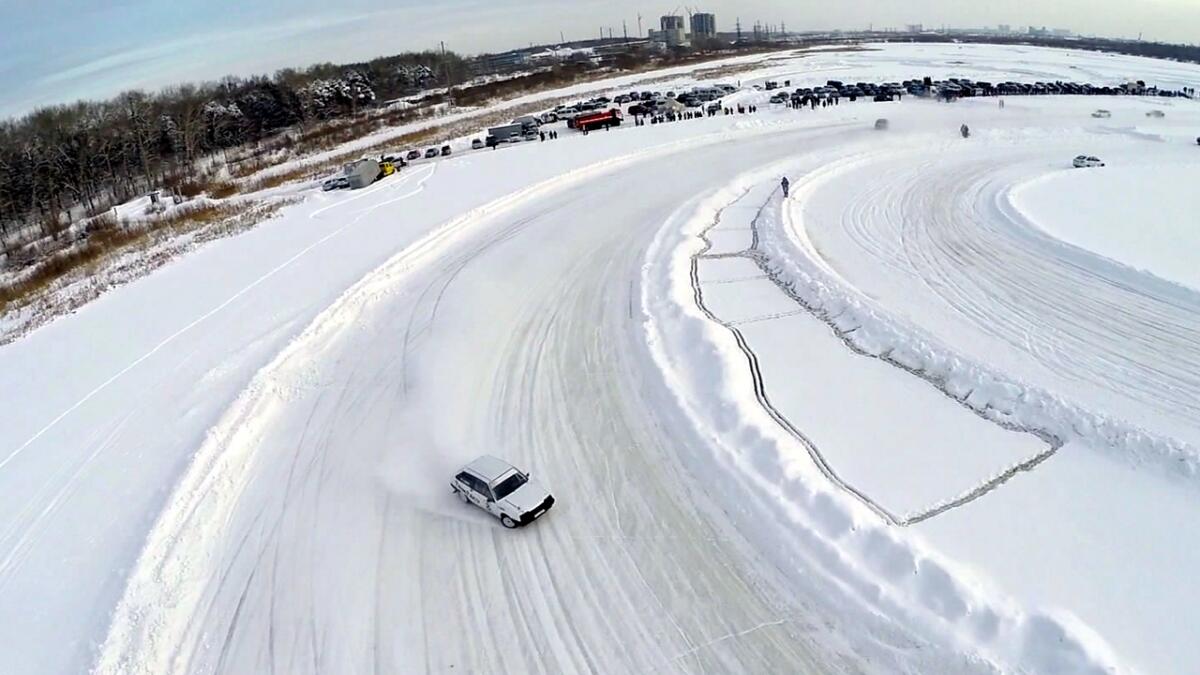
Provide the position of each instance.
(320, 534)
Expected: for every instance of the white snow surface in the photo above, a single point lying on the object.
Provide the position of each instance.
(1143, 215)
(239, 463)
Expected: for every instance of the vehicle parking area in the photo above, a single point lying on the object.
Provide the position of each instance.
(652, 107)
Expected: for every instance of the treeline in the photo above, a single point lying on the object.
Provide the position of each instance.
(63, 163)
(1157, 50)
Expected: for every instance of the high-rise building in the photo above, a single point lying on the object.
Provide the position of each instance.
(704, 25)
(673, 32)
(671, 23)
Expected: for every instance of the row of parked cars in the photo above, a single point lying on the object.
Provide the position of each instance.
(352, 174)
(644, 100)
(413, 155)
(961, 87)
(652, 103)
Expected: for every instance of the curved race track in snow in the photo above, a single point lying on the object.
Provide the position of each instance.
(277, 434)
(320, 508)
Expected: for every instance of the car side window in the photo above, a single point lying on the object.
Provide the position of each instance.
(478, 485)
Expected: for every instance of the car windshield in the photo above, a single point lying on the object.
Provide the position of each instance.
(510, 484)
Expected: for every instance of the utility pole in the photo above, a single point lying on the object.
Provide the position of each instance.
(625, 30)
(739, 29)
(561, 40)
(639, 26)
(446, 72)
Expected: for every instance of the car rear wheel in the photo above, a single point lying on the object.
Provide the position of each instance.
(508, 522)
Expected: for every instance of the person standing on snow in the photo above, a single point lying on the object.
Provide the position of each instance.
(785, 185)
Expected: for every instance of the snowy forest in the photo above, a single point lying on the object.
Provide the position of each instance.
(66, 162)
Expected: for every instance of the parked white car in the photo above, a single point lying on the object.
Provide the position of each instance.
(1156, 113)
(502, 490)
(1102, 114)
(1085, 161)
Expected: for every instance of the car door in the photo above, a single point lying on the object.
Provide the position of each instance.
(492, 506)
(477, 492)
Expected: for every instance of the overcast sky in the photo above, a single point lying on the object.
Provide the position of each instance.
(54, 51)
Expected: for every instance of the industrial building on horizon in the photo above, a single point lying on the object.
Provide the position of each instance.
(673, 31)
(704, 25)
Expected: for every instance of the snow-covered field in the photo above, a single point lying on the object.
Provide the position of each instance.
(935, 412)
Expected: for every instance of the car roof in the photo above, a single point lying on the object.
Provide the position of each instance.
(489, 468)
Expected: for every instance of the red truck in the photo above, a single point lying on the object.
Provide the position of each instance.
(596, 120)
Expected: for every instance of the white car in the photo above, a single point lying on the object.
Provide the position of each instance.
(1102, 114)
(502, 490)
(1085, 161)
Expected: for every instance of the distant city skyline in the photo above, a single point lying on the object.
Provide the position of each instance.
(59, 51)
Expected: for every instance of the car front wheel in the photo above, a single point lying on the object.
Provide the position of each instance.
(508, 522)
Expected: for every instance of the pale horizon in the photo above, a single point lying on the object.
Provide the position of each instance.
(137, 44)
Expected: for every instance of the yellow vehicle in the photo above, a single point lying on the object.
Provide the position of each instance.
(386, 169)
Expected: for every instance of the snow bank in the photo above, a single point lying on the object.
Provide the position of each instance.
(798, 267)
(889, 569)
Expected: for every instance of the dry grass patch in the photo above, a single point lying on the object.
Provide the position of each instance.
(109, 256)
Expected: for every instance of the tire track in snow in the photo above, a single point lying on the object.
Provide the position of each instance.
(151, 629)
(16, 452)
(1112, 352)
